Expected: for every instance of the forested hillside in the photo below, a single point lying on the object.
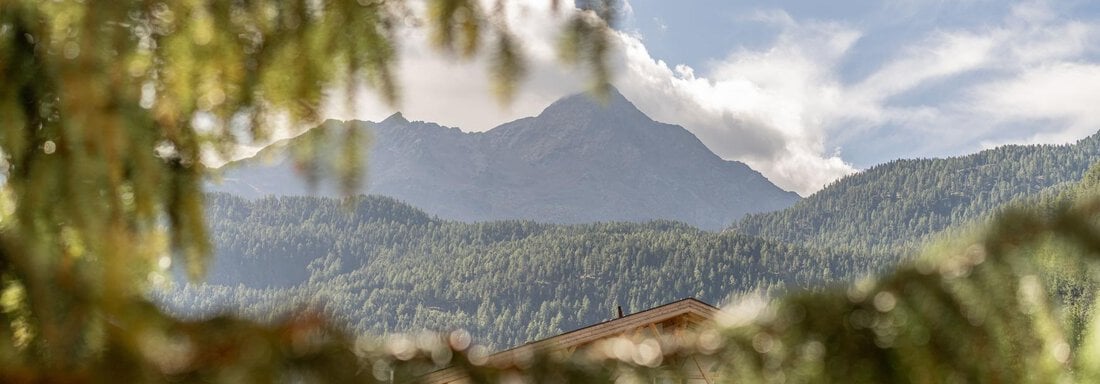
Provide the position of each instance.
(891, 208)
(382, 266)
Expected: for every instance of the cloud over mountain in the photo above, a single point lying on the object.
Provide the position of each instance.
(578, 161)
(808, 95)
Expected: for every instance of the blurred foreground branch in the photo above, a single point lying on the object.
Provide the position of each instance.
(108, 110)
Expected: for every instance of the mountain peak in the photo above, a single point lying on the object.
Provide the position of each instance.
(590, 102)
(586, 158)
(397, 117)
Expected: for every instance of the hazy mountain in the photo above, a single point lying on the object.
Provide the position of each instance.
(892, 207)
(578, 161)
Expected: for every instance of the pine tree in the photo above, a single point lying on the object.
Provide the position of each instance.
(109, 110)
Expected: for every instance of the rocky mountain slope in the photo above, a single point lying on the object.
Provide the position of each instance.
(578, 161)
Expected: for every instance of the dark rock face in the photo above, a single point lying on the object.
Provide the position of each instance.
(580, 160)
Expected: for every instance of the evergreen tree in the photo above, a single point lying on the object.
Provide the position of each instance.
(109, 109)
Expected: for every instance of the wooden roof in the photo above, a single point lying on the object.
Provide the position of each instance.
(688, 311)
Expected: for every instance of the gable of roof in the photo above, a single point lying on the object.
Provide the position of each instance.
(687, 311)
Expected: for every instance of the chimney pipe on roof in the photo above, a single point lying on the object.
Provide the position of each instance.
(620, 312)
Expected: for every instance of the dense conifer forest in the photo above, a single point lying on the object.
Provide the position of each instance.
(892, 208)
(382, 266)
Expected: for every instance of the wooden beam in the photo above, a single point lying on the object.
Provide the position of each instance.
(700, 367)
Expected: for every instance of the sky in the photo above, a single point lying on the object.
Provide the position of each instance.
(805, 92)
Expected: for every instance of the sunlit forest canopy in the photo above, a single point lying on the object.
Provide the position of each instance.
(111, 108)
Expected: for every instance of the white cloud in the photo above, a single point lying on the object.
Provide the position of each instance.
(626, 10)
(752, 111)
(942, 56)
(1030, 71)
(772, 16)
(450, 91)
(775, 108)
(1066, 93)
(661, 26)
(981, 85)
(765, 108)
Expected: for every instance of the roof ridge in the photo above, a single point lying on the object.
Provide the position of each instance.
(600, 330)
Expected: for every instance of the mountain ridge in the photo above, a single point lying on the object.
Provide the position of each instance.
(579, 160)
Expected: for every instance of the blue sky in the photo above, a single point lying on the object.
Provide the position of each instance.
(807, 91)
(675, 33)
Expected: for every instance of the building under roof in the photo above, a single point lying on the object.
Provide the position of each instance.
(672, 319)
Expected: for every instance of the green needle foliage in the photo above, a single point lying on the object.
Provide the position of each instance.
(109, 109)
